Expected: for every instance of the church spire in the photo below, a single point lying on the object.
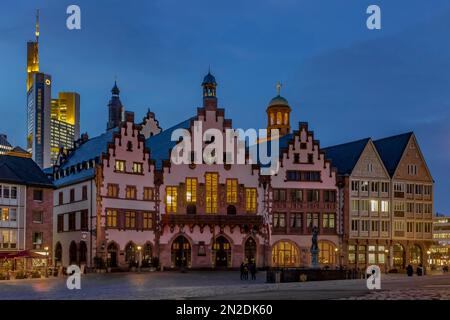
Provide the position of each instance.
(116, 110)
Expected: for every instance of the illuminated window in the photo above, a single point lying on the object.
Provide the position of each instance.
(120, 166)
(279, 118)
(250, 197)
(231, 190)
(130, 192)
(137, 167)
(328, 220)
(327, 253)
(5, 214)
(384, 206)
(191, 190)
(149, 193)
(272, 119)
(111, 218)
(130, 219)
(171, 199)
(211, 192)
(113, 190)
(146, 220)
(285, 254)
(374, 205)
(286, 120)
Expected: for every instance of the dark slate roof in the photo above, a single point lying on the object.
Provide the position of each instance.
(345, 156)
(209, 79)
(391, 150)
(92, 148)
(22, 170)
(89, 150)
(161, 144)
(4, 141)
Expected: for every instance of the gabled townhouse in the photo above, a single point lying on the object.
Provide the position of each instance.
(411, 198)
(211, 214)
(364, 184)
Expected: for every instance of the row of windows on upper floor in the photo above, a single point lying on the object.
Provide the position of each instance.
(383, 225)
(8, 239)
(11, 192)
(300, 195)
(411, 188)
(383, 187)
(72, 198)
(411, 207)
(76, 168)
(310, 220)
(211, 194)
(412, 169)
(9, 214)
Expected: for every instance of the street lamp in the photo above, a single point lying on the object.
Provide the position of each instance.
(336, 255)
(429, 258)
(140, 257)
(46, 261)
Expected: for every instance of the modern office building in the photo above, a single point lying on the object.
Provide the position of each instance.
(65, 122)
(38, 119)
(51, 123)
(5, 146)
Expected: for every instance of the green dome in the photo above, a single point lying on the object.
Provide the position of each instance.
(278, 100)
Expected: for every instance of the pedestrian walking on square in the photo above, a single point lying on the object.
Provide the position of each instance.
(409, 270)
(419, 270)
(242, 271)
(253, 270)
(246, 271)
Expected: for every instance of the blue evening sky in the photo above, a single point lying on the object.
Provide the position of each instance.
(346, 81)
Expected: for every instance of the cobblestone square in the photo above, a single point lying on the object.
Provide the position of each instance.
(221, 286)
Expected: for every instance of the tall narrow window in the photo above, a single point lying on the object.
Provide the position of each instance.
(250, 196)
(111, 218)
(130, 219)
(148, 193)
(171, 199)
(146, 220)
(84, 193)
(211, 192)
(137, 167)
(191, 190)
(231, 191)
(131, 192)
(113, 190)
(120, 166)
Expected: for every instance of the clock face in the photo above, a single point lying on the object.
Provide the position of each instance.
(47, 82)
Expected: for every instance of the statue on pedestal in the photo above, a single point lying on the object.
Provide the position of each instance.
(314, 249)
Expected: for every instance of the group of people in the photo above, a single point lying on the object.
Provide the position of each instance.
(246, 268)
(420, 270)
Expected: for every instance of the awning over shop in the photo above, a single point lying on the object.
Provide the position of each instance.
(20, 254)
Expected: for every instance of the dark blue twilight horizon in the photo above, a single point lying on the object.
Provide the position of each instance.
(348, 82)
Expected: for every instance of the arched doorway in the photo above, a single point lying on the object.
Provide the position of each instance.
(73, 259)
(222, 252)
(181, 252)
(327, 253)
(112, 255)
(58, 253)
(147, 255)
(250, 250)
(285, 254)
(399, 256)
(130, 254)
(83, 252)
(415, 255)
